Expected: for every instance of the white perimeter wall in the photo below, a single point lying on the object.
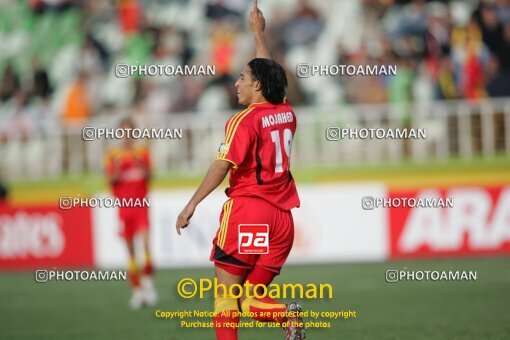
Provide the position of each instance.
(330, 226)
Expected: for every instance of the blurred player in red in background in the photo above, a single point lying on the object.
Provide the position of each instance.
(262, 191)
(128, 169)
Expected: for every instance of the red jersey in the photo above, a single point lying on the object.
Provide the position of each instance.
(130, 166)
(258, 142)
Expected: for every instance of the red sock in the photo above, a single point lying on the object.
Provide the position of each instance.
(264, 305)
(226, 320)
(225, 325)
(147, 269)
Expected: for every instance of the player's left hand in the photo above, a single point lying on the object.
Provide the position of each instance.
(184, 218)
(256, 19)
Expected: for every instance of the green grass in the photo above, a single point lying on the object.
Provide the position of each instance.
(404, 310)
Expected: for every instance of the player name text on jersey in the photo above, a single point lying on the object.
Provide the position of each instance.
(277, 118)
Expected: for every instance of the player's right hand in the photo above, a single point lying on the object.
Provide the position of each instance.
(184, 218)
(256, 19)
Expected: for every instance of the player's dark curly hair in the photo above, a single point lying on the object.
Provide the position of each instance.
(272, 78)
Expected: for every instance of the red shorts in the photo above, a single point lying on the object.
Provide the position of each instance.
(227, 248)
(134, 220)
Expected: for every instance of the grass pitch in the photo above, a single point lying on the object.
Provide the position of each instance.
(404, 310)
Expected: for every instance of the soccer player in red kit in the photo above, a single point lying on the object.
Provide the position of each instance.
(128, 171)
(261, 192)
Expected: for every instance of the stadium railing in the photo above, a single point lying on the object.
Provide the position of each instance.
(460, 129)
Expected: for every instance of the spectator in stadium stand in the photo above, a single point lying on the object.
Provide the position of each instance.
(295, 93)
(10, 84)
(76, 111)
(20, 123)
(217, 10)
(274, 29)
(304, 27)
(491, 28)
(363, 89)
(499, 69)
(41, 87)
(400, 86)
(504, 11)
(186, 52)
(438, 30)
(37, 6)
(473, 72)
(434, 51)
(4, 193)
(446, 84)
(413, 18)
(505, 48)
(130, 16)
(493, 24)
(57, 6)
(222, 42)
(456, 70)
(77, 107)
(92, 48)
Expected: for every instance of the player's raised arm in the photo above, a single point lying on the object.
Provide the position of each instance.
(257, 26)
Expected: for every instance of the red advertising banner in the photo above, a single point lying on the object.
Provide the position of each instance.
(477, 223)
(45, 237)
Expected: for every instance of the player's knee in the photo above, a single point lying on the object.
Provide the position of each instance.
(225, 303)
